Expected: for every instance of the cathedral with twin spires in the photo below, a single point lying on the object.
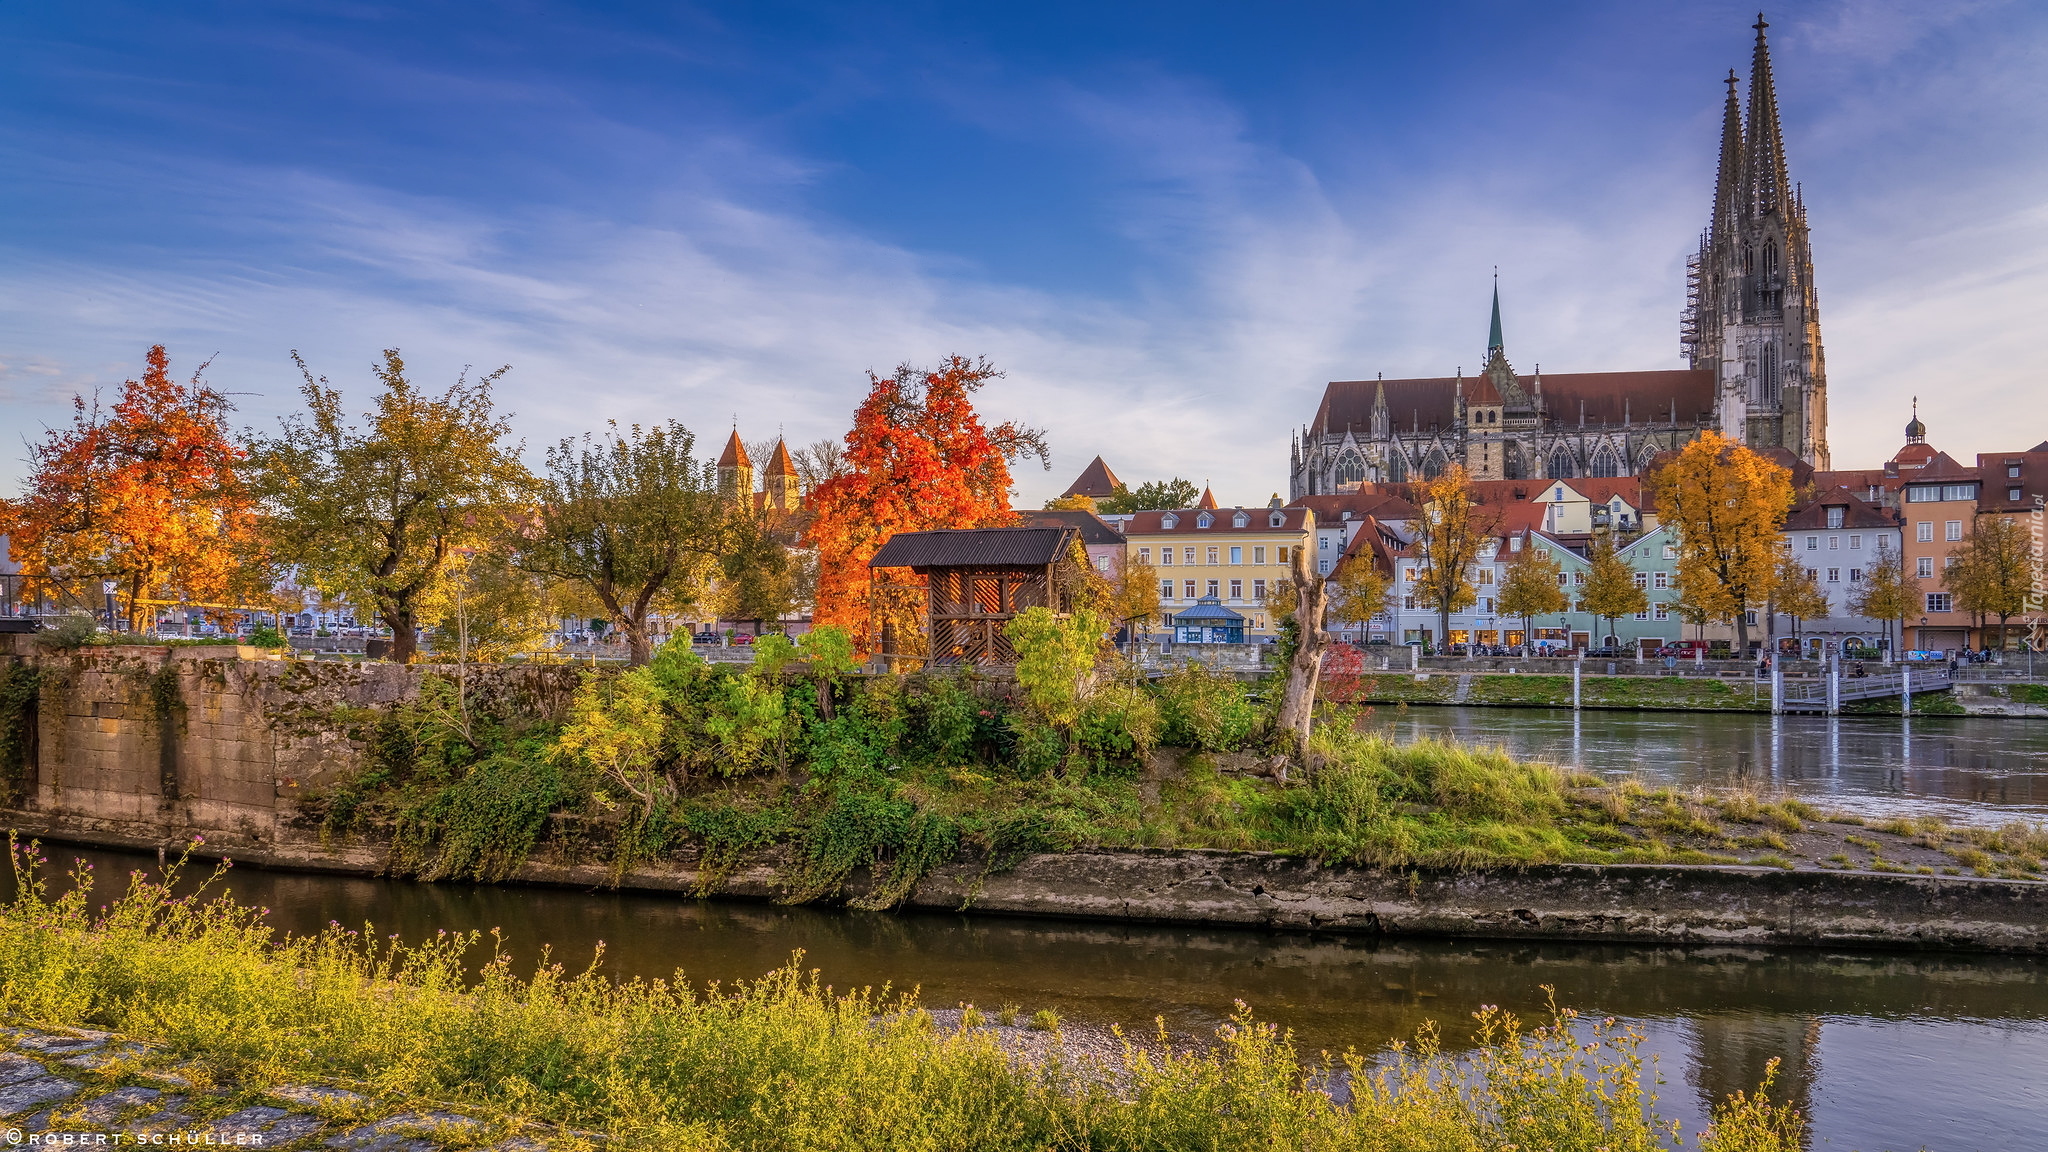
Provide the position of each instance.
(1750, 333)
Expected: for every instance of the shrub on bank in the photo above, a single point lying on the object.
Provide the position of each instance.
(784, 1063)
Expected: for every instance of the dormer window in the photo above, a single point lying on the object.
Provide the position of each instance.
(1169, 521)
(1277, 520)
(1836, 515)
(1204, 520)
(1240, 521)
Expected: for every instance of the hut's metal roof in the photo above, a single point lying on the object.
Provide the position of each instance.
(974, 548)
(1207, 608)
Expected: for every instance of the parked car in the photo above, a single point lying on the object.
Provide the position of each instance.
(1605, 653)
(741, 640)
(704, 638)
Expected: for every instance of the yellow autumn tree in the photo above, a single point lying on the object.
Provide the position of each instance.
(1727, 505)
(1448, 535)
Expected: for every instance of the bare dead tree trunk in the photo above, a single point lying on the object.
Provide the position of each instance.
(1298, 706)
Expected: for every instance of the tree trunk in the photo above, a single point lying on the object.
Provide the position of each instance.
(639, 649)
(1298, 706)
(1741, 633)
(405, 646)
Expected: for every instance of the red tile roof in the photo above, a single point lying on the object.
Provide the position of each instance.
(2032, 480)
(1857, 512)
(779, 464)
(1208, 499)
(1293, 519)
(1602, 397)
(735, 454)
(1096, 480)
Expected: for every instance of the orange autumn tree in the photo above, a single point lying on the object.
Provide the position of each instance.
(144, 494)
(918, 458)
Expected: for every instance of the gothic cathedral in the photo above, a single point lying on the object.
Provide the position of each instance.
(1751, 334)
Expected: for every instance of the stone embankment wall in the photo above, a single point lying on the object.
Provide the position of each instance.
(142, 748)
(147, 744)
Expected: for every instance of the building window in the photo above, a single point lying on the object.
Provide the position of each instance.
(1939, 602)
(1166, 589)
(2012, 471)
(1812, 543)
(1834, 575)
(1959, 492)
(1834, 543)
(1258, 590)
(1282, 553)
(1578, 577)
(1169, 521)
(1661, 580)
(1514, 543)
(1855, 542)
(1835, 516)
(1102, 563)
(1562, 580)
(1277, 519)
(1543, 553)
(1924, 531)
(1955, 530)
(1212, 556)
(1948, 562)
(1240, 521)
(1189, 587)
(1662, 610)
(1237, 589)
(1486, 575)
(1671, 551)
(1204, 520)
(1322, 565)
(1259, 555)
(2013, 494)
(1642, 615)
(1855, 575)
(1408, 603)
(1813, 573)
(1144, 555)
(1187, 555)
(1165, 556)
(1926, 568)
(1212, 588)
(1922, 493)
(1237, 555)
(1642, 579)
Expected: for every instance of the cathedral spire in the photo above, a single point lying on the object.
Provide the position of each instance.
(1494, 343)
(1728, 177)
(1764, 151)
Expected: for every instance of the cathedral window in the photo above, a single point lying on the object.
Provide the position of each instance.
(1434, 464)
(1771, 260)
(1770, 374)
(1350, 471)
(1397, 468)
(1561, 465)
(1604, 463)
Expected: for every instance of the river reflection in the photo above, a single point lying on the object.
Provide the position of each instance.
(1964, 769)
(1886, 1050)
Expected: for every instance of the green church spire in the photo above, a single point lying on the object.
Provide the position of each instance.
(1494, 343)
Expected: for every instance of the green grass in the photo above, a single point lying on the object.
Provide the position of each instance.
(1667, 692)
(784, 1063)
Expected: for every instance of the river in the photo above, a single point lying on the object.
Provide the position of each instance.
(1964, 769)
(1884, 1050)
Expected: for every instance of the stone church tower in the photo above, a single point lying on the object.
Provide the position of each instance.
(1751, 314)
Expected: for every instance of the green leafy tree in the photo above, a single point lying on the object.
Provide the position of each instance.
(1152, 496)
(1611, 591)
(1531, 588)
(634, 518)
(760, 577)
(1056, 659)
(377, 513)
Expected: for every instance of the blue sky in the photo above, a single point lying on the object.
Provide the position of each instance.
(1170, 223)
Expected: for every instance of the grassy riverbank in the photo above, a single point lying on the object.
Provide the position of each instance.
(783, 1063)
(713, 768)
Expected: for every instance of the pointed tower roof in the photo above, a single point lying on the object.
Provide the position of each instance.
(1494, 343)
(1095, 481)
(1728, 176)
(1208, 499)
(779, 464)
(735, 454)
(1764, 181)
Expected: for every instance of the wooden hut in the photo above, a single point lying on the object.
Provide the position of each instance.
(978, 580)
